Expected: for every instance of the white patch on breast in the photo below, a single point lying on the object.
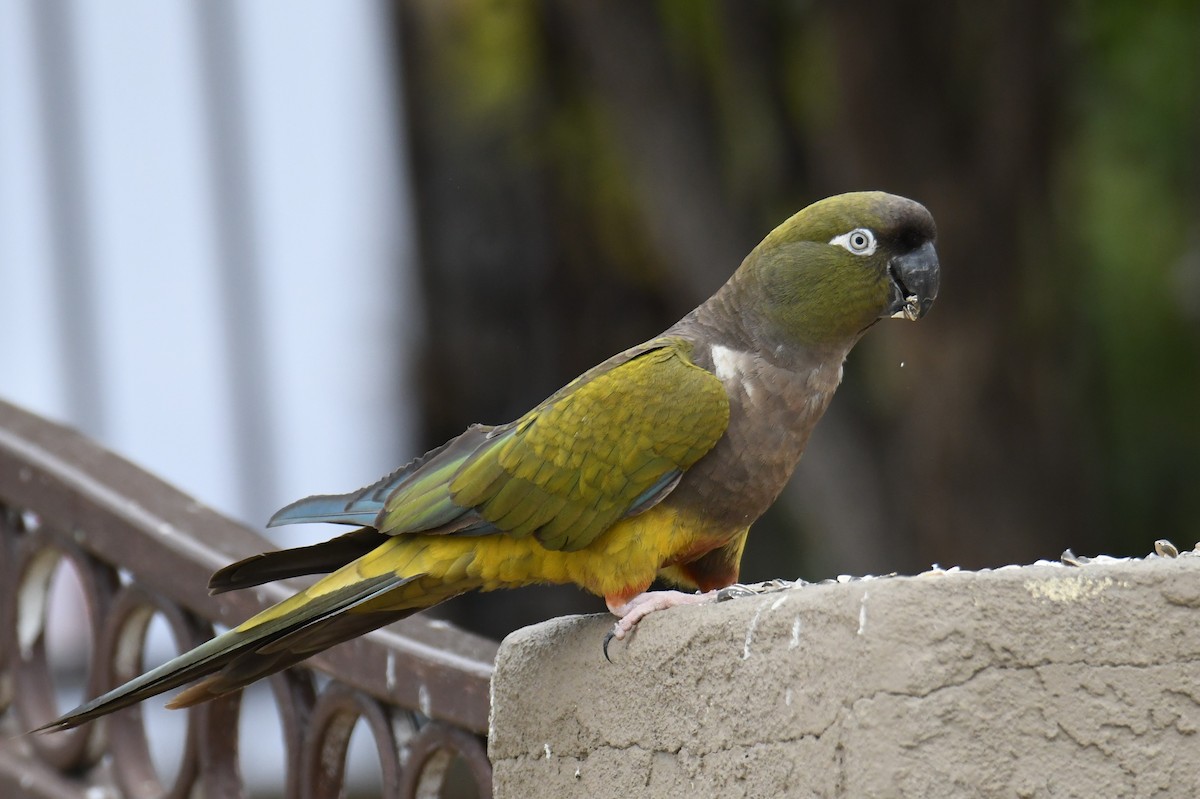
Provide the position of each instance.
(733, 367)
(727, 362)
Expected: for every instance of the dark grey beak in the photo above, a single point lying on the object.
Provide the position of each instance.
(914, 282)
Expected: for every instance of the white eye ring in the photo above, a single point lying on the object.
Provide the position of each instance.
(859, 241)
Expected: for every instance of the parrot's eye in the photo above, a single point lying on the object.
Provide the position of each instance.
(859, 241)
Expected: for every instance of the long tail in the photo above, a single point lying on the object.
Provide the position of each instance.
(277, 638)
(386, 578)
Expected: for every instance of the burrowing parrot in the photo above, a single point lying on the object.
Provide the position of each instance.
(653, 464)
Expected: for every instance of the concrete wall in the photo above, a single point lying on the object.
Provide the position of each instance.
(1040, 681)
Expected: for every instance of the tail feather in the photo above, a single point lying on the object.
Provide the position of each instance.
(282, 653)
(320, 558)
(236, 653)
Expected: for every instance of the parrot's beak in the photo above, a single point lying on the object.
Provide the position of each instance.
(914, 283)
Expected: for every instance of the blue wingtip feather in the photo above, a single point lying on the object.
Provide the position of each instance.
(363, 507)
(328, 508)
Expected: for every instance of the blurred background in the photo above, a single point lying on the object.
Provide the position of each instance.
(268, 249)
(278, 248)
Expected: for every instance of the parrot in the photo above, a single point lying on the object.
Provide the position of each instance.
(652, 465)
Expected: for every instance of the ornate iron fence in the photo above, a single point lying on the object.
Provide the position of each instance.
(141, 548)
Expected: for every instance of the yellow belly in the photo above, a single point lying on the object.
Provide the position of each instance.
(620, 562)
(626, 556)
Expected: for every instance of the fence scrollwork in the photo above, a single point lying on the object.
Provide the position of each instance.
(141, 549)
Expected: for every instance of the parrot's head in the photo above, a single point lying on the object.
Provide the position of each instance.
(838, 266)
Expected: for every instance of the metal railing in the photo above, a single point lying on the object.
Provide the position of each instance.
(140, 548)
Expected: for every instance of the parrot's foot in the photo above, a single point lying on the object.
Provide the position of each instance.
(642, 605)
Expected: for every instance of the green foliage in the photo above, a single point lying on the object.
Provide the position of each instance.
(1132, 172)
(494, 60)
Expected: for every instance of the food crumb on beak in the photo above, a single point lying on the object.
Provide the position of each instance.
(911, 310)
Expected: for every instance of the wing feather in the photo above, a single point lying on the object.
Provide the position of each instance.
(610, 444)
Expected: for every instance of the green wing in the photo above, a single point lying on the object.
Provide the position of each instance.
(610, 444)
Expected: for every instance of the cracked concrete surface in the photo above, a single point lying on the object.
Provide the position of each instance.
(1039, 681)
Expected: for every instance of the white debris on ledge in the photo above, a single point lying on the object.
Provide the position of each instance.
(1162, 549)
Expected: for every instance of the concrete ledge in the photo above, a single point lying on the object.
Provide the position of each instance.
(1039, 681)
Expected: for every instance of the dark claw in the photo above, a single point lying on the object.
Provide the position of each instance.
(607, 638)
